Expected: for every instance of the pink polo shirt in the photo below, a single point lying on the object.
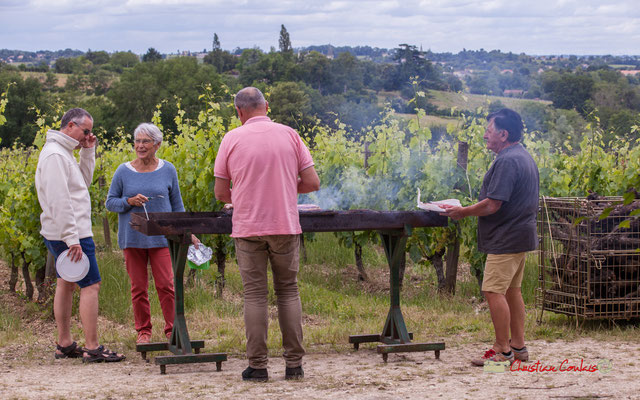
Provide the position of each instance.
(263, 159)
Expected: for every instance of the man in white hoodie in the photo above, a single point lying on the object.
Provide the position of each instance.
(62, 185)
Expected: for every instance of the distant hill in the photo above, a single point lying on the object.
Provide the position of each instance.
(36, 57)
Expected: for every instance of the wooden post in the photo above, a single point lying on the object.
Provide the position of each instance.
(436, 261)
(50, 269)
(362, 274)
(26, 275)
(453, 250)
(13, 281)
(221, 258)
(40, 283)
(367, 153)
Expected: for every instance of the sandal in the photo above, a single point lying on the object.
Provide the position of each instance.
(101, 354)
(71, 351)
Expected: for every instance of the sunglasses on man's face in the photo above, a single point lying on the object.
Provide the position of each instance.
(85, 131)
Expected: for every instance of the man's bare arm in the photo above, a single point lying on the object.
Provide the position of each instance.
(480, 209)
(309, 181)
(222, 190)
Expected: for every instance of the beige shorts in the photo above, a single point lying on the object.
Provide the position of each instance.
(503, 271)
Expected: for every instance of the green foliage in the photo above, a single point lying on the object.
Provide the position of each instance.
(151, 55)
(97, 57)
(3, 105)
(69, 65)
(23, 97)
(141, 88)
(569, 91)
(121, 60)
(290, 104)
(20, 239)
(379, 169)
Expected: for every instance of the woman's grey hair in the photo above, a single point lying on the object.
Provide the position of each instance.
(249, 98)
(150, 130)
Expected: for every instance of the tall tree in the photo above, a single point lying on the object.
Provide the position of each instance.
(216, 43)
(152, 55)
(285, 40)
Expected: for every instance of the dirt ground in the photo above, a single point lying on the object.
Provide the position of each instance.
(30, 372)
(581, 369)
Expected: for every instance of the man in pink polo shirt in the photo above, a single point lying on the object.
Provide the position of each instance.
(269, 165)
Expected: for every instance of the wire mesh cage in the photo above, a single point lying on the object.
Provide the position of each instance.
(589, 265)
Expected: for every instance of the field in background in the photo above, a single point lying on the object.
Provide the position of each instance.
(42, 77)
(470, 102)
(456, 101)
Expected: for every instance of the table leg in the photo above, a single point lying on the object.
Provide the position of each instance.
(395, 330)
(180, 344)
(394, 335)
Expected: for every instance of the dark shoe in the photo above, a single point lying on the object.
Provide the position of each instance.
(101, 354)
(71, 351)
(521, 355)
(256, 375)
(293, 373)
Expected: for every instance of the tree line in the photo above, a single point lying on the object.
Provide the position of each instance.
(307, 87)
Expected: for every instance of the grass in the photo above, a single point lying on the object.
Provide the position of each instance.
(10, 323)
(458, 101)
(622, 66)
(463, 101)
(335, 305)
(467, 101)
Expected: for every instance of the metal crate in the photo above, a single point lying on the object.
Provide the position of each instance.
(589, 266)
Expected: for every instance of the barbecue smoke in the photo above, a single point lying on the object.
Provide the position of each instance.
(353, 188)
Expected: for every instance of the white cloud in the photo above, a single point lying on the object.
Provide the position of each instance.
(544, 26)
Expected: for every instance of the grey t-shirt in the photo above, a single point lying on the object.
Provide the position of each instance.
(512, 178)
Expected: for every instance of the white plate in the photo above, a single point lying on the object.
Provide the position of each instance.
(72, 271)
(434, 205)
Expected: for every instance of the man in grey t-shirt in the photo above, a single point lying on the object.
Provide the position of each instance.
(507, 210)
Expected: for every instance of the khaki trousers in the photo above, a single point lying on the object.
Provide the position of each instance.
(282, 251)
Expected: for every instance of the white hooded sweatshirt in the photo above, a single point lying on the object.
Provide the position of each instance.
(62, 186)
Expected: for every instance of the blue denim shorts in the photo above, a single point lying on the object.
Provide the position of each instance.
(56, 247)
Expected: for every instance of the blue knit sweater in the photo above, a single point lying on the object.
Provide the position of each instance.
(161, 185)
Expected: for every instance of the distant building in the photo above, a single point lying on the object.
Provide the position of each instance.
(630, 72)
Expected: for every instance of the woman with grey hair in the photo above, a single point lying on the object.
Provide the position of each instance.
(152, 184)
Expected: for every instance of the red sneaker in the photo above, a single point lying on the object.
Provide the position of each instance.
(491, 355)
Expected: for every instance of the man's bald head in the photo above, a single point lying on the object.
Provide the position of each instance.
(250, 103)
(250, 99)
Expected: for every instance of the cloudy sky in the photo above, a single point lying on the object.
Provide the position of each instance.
(533, 27)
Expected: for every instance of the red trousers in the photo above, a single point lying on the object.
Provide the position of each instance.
(136, 261)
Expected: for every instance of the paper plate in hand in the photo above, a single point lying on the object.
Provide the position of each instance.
(435, 205)
(72, 271)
